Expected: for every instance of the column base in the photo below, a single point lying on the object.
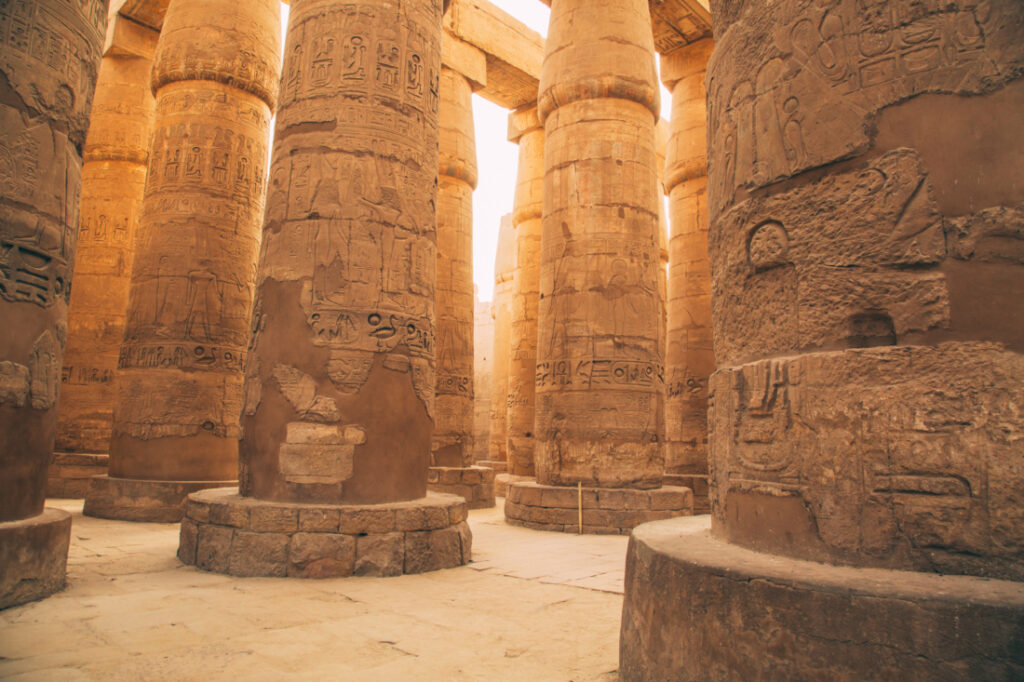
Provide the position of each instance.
(698, 608)
(501, 482)
(71, 473)
(499, 466)
(474, 483)
(605, 510)
(33, 556)
(128, 499)
(698, 483)
(224, 532)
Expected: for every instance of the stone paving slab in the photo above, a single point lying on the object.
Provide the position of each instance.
(132, 611)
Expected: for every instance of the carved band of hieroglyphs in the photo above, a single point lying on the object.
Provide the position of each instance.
(376, 331)
(86, 375)
(600, 373)
(455, 385)
(180, 356)
(214, 157)
(28, 273)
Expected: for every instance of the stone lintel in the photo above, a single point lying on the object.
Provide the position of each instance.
(146, 12)
(71, 473)
(127, 499)
(605, 510)
(463, 58)
(696, 608)
(224, 532)
(128, 38)
(33, 556)
(474, 483)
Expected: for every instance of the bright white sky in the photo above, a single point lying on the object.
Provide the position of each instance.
(497, 158)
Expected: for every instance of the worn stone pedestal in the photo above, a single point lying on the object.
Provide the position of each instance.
(686, 590)
(502, 482)
(605, 510)
(474, 483)
(70, 473)
(131, 499)
(33, 556)
(226, 533)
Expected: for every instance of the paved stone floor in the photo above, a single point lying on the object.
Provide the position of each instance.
(532, 606)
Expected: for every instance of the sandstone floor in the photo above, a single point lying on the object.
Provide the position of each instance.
(532, 606)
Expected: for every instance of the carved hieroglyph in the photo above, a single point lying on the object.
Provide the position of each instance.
(179, 386)
(339, 396)
(867, 409)
(49, 56)
(690, 357)
(526, 130)
(501, 309)
(113, 183)
(453, 430)
(600, 373)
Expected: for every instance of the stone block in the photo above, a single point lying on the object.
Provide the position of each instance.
(188, 539)
(321, 555)
(380, 555)
(432, 550)
(456, 514)
(213, 548)
(229, 514)
(197, 510)
(372, 521)
(680, 499)
(33, 556)
(471, 477)
(611, 499)
(466, 541)
(449, 476)
(259, 554)
(266, 518)
(421, 518)
(319, 520)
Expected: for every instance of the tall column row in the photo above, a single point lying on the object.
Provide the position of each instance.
(50, 52)
(180, 370)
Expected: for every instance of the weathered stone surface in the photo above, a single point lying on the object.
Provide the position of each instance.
(344, 326)
(453, 430)
(483, 376)
(319, 555)
(131, 499)
(70, 474)
(179, 389)
(475, 484)
(380, 555)
(690, 357)
(501, 309)
(600, 369)
(698, 608)
(113, 181)
(33, 556)
(49, 56)
(260, 554)
(526, 130)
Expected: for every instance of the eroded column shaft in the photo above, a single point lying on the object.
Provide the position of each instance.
(113, 183)
(525, 129)
(501, 309)
(600, 384)
(690, 357)
(339, 399)
(179, 390)
(453, 430)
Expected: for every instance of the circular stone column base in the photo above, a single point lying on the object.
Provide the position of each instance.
(33, 556)
(224, 532)
(70, 473)
(605, 510)
(501, 482)
(128, 499)
(474, 483)
(698, 608)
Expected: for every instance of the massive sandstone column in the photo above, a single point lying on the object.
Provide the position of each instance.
(49, 55)
(525, 130)
(339, 398)
(113, 182)
(180, 371)
(452, 469)
(600, 385)
(865, 423)
(690, 358)
(501, 309)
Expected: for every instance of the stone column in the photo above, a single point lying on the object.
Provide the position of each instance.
(49, 55)
(866, 246)
(452, 469)
(339, 408)
(600, 369)
(525, 130)
(180, 370)
(690, 358)
(483, 376)
(113, 181)
(501, 309)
